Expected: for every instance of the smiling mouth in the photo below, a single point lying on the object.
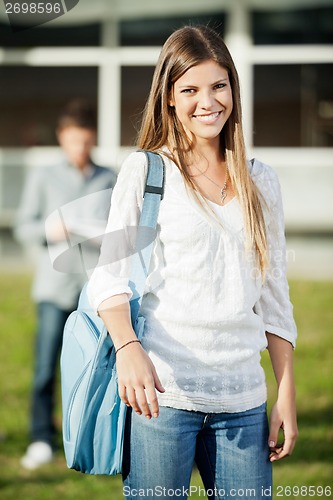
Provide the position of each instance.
(208, 117)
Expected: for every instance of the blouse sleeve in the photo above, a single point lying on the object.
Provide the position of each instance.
(111, 276)
(274, 305)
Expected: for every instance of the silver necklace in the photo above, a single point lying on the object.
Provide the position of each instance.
(223, 189)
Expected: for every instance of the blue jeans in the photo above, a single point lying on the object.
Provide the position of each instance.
(51, 322)
(230, 450)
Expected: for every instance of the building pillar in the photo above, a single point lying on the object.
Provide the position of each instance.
(109, 91)
(238, 38)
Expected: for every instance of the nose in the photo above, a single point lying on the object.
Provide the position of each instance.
(206, 99)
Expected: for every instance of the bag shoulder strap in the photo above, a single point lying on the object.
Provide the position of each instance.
(154, 190)
(153, 194)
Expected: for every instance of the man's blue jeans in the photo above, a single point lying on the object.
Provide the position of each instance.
(230, 450)
(51, 322)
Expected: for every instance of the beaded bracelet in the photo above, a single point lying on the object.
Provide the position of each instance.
(127, 343)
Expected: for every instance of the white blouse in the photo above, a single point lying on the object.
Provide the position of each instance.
(205, 307)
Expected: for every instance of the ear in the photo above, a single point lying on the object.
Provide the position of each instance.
(171, 103)
(59, 134)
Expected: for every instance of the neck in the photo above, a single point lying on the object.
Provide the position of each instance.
(207, 154)
(82, 167)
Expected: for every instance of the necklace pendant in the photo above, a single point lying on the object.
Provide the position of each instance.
(223, 195)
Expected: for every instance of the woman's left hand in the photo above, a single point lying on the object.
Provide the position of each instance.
(283, 416)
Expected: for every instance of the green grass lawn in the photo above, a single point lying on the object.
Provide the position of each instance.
(310, 465)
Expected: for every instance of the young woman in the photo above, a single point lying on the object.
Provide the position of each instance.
(216, 294)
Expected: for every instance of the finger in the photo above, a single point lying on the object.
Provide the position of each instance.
(287, 448)
(289, 445)
(142, 401)
(278, 455)
(273, 434)
(283, 451)
(157, 382)
(122, 394)
(274, 455)
(153, 401)
(133, 401)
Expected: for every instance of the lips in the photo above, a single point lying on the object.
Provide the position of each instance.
(208, 117)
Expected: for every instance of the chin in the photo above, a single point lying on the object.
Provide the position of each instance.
(79, 162)
(208, 137)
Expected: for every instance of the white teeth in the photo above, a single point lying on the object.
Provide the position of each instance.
(207, 118)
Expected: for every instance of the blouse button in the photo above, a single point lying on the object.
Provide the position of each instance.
(186, 387)
(213, 388)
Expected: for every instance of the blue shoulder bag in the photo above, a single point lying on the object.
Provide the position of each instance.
(93, 414)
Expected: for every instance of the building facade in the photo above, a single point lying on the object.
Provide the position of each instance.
(106, 51)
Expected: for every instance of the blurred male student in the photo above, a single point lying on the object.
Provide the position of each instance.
(56, 293)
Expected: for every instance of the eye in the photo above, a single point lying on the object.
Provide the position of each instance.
(187, 91)
(220, 86)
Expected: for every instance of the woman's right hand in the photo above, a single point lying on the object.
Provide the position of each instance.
(138, 380)
(137, 377)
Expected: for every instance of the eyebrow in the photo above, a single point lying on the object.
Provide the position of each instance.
(195, 86)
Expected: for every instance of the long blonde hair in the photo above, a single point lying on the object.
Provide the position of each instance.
(185, 48)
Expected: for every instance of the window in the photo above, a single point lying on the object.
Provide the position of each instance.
(293, 105)
(42, 36)
(155, 31)
(280, 27)
(31, 98)
(135, 86)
